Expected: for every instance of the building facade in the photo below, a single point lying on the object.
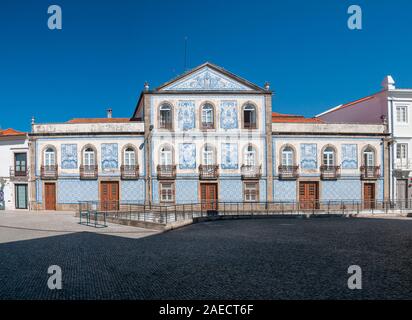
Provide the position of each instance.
(207, 136)
(315, 161)
(14, 170)
(393, 107)
(87, 160)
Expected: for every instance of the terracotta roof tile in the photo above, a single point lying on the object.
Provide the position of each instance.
(290, 118)
(11, 132)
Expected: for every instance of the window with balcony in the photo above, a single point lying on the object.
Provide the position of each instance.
(49, 157)
(329, 157)
(166, 168)
(250, 168)
(402, 151)
(208, 116)
(329, 169)
(20, 164)
(369, 169)
(402, 114)
(208, 168)
(88, 169)
(129, 168)
(249, 117)
(287, 168)
(165, 116)
(208, 156)
(49, 167)
(287, 156)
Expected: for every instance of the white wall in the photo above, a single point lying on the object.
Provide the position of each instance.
(8, 147)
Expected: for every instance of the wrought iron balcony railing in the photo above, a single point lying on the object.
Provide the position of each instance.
(208, 171)
(250, 171)
(129, 172)
(403, 164)
(329, 172)
(48, 172)
(370, 172)
(288, 172)
(88, 172)
(19, 175)
(249, 125)
(208, 125)
(166, 171)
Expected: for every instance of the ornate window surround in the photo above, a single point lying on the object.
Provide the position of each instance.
(294, 153)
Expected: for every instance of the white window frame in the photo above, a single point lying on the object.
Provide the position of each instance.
(208, 114)
(287, 156)
(49, 157)
(402, 151)
(402, 114)
(129, 157)
(168, 196)
(250, 156)
(208, 156)
(89, 157)
(369, 158)
(329, 157)
(248, 191)
(166, 156)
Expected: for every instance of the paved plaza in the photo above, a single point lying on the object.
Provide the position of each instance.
(274, 258)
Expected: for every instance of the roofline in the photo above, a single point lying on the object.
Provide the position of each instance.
(348, 104)
(216, 68)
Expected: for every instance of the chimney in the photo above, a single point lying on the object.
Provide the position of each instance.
(109, 113)
(388, 83)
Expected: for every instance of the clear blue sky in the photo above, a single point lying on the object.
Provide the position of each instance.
(107, 49)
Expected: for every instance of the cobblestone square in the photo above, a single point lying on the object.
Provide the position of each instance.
(275, 258)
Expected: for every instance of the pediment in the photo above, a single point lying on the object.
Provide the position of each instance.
(208, 78)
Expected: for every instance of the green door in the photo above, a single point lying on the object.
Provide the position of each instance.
(21, 196)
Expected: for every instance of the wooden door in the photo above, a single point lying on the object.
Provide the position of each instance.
(109, 195)
(369, 195)
(402, 193)
(309, 195)
(50, 196)
(208, 196)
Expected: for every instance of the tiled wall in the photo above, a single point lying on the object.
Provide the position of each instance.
(284, 190)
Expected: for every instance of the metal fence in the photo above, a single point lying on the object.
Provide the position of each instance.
(167, 213)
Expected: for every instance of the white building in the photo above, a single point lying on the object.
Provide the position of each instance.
(394, 107)
(14, 177)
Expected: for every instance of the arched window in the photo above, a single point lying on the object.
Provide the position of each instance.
(250, 156)
(129, 157)
(329, 157)
(166, 156)
(369, 157)
(288, 158)
(249, 117)
(49, 157)
(208, 155)
(165, 116)
(89, 157)
(208, 116)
